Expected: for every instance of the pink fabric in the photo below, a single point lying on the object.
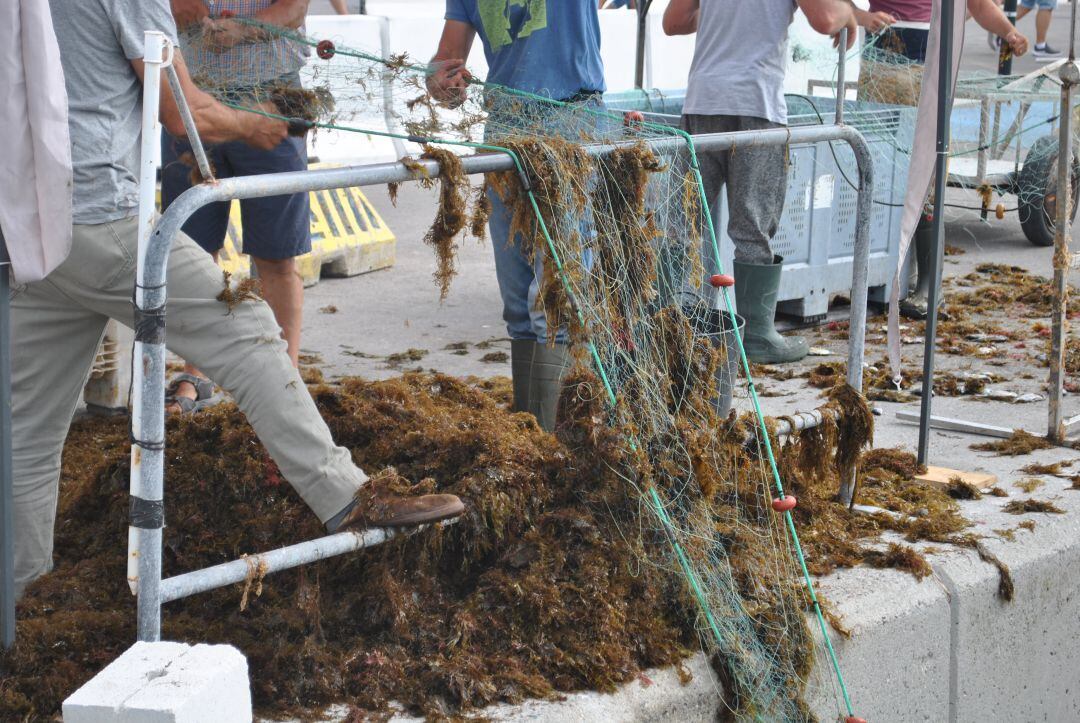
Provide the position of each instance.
(912, 11)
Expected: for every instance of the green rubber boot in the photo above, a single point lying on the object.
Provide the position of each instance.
(756, 289)
(918, 301)
(521, 356)
(548, 367)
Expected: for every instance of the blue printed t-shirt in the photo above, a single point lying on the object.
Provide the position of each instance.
(547, 47)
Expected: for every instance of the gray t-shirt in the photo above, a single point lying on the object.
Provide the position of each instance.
(739, 59)
(98, 39)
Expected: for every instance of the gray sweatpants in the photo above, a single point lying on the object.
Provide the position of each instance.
(57, 324)
(756, 181)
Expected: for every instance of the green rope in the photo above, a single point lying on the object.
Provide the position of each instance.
(657, 504)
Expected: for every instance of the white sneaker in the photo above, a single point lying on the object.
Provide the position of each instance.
(1045, 53)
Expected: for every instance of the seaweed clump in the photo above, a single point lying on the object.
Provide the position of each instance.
(1019, 507)
(248, 289)
(534, 591)
(452, 214)
(1019, 443)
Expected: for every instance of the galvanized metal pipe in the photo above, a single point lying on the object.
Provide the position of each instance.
(7, 502)
(797, 422)
(230, 573)
(189, 124)
(150, 376)
(841, 64)
(148, 389)
(945, 87)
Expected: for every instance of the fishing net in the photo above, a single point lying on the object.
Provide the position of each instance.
(631, 275)
(1003, 141)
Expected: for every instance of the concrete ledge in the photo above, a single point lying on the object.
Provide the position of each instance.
(166, 683)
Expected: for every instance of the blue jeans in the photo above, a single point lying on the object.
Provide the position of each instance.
(519, 279)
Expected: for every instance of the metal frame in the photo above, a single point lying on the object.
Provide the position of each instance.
(1069, 74)
(155, 242)
(7, 503)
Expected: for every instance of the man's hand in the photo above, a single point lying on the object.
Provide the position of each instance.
(189, 12)
(1017, 42)
(877, 21)
(265, 133)
(448, 82)
(852, 33)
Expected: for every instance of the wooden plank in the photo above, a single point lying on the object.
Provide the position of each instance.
(942, 475)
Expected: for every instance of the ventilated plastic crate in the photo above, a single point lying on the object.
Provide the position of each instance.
(816, 234)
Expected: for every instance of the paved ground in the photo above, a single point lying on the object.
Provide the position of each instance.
(398, 309)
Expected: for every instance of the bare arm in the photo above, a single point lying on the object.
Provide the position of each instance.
(189, 12)
(991, 17)
(339, 7)
(287, 13)
(222, 33)
(448, 78)
(873, 21)
(681, 17)
(829, 17)
(216, 123)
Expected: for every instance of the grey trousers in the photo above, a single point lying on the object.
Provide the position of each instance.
(57, 325)
(756, 180)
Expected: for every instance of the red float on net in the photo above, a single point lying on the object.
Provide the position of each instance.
(325, 49)
(784, 504)
(724, 280)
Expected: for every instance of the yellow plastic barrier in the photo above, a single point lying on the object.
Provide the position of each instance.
(348, 237)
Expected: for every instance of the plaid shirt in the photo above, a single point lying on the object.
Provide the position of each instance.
(242, 66)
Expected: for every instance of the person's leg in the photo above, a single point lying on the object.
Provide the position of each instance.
(242, 351)
(757, 185)
(714, 169)
(515, 275)
(276, 230)
(207, 226)
(1042, 24)
(283, 290)
(55, 349)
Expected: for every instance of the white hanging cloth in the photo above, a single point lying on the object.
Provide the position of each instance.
(35, 165)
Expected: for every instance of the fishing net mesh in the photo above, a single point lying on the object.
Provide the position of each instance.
(629, 254)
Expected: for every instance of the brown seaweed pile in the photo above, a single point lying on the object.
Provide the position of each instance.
(534, 591)
(1019, 443)
(538, 589)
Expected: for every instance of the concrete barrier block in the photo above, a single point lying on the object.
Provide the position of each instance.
(166, 683)
(896, 661)
(1018, 660)
(101, 698)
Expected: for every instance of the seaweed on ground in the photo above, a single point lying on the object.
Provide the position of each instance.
(535, 590)
(1019, 507)
(960, 489)
(901, 557)
(1019, 443)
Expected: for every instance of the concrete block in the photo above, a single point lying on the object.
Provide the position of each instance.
(166, 683)
(896, 662)
(1018, 660)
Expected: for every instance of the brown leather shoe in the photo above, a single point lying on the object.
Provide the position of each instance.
(377, 506)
